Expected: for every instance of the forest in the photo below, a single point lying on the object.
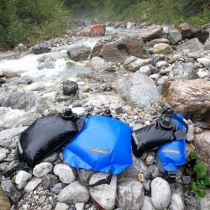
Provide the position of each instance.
(29, 21)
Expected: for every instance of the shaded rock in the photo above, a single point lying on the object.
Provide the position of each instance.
(162, 48)
(130, 195)
(151, 32)
(78, 53)
(69, 87)
(192, 45)
(10, 190)
(202, 146)
(123, 48)
(104, 195)
(138, 89)
(99, 64)
(4, 201)
(41, 49)
(98, 30)
(160, 193)
(188, 31)
(189, 97)
(174, 37)
(74, 193)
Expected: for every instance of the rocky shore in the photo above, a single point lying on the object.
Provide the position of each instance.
(131, 75)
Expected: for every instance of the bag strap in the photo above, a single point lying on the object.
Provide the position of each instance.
(107, 180)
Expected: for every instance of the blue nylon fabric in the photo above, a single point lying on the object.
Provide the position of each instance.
(104, 144)
(176, 154)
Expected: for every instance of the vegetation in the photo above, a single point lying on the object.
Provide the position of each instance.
(32, 20)
(198, 172)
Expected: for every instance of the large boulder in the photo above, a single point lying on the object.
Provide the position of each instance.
(150, 33)
(79, 53)
(188, 31)
(138, 90)
(188, 97)
(123, 48)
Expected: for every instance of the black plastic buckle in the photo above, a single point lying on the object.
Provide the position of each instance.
(109, 178)
(172, 175)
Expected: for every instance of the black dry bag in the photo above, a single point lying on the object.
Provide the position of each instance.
(44, 136)
(155, 135)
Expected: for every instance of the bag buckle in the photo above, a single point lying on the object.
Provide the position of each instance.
(172, 175)
(109, 178)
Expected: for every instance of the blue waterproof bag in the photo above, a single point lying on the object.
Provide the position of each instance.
(173, 154)
(104, 144)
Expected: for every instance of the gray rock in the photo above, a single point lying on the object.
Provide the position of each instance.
(160, 193)
(147, 205)
(49, 180)
(61, 206)
(130, 195)
(10, 190)
(192, 202)
(22, 178)
(174, 36)
(104, 195)
(64, 172)
(57, 188)
(79, 53)
(69, 87)
(138, 89)
(74, 193)
(32, 184)
(42, 168)
(177, 201)
(99, 64)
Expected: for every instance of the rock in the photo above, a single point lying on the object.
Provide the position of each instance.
(162, 49)
(32, 184)
(130, 195)
(49, 180)
(98, 30)
(188, 31)
(151, 32)
(192, 45)
(205, 202)
(160, 193)
(202, 146)
(188, 97)
(177, 201)
(10, 190)
(42, 168)
(78, 53)
(133, 64)
(138, 89)
(64, 172)
(157, 41)
(10, 73)
(69, 87)
(99, 64)
(204, 61)
(123, 48)
(74, 193)
(4, 201)
(22, 178)
(61, 206)
(174, 37)
(147, 205)
(104, 195)
(40, 49)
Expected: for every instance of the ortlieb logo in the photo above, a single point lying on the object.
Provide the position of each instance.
(171, 151)
(105, 152)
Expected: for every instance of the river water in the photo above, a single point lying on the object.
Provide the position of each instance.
(28, 67)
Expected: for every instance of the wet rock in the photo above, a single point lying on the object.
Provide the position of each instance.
(10, 190)
(22, 178)
(162, 48)
(78, 53)
(104, 195)
(42, 168)
(160, 193)
(123, 48)
(192, 45)
(64, 172)
(188, 31)
(32, 184)
(130, 195)
(202, 146)
(74, 193)
(138, 89)
(188, 97)
(69, 87)
(150, 32)
(99, 64)
(174, 36)
(98, 30)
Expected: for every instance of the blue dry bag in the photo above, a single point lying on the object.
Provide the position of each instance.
(104, 144)
(173, 154)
